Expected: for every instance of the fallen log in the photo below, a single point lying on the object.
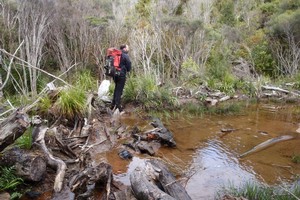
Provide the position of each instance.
(56, 163)
(280, 90)
(144, 188)
(30, 166)
(267, 144)
(167, 180)
(12, 128)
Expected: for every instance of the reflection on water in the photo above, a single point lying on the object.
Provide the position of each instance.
(218, 168)
(210, 157)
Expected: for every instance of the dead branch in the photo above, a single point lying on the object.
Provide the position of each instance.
(9, 67)
(280, 90)
(51, 160)
(31, 66)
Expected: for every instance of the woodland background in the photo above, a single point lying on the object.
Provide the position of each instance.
(227, 45)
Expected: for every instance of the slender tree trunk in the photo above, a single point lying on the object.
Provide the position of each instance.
(1, 92)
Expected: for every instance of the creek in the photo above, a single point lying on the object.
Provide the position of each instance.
(209, 147)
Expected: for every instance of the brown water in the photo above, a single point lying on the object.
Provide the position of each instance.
(209, 158)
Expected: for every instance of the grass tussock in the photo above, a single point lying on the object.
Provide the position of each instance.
(254, 191)
(71, 103)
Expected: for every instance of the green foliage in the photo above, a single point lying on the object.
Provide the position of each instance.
(253, 191)
(44, 105)
(263, 59)
(96, 21)
(194, 109)
(71, 103)
(287, 21)
(8, 179)
(296, 79)
(218, 63)
(226, 8)
(190, 74)
(144, 90)
(269, 8)
(143, 8)
(15, 195)
(85, 81)
(225, 109)
(25, 141)
(289, 5)
(225, 84)
(246, 88)
(296, 159)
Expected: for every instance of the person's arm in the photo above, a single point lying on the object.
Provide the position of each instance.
(128, 63)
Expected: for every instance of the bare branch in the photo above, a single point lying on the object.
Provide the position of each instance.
(31, 66)
(9, 67)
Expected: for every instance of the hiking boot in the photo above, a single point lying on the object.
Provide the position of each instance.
(120, 108)
(112, 106)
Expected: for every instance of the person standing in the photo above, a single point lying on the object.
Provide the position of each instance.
(120, 78)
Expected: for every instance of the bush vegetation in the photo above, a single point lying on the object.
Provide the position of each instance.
(9, 182)
(253, 191)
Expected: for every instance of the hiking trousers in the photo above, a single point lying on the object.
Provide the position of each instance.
(119, 86)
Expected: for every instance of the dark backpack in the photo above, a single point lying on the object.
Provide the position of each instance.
(112, 62)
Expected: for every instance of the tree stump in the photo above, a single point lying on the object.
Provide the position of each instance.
(30, 166)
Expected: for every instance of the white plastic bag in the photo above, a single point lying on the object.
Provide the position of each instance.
(103, 90)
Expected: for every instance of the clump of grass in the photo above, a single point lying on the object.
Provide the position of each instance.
(194, 109)
(71, 103)
(85, 81)
(254, 191)
(225, 109)
(44, 105)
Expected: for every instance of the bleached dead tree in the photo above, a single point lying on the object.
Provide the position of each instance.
(144, 46)
(117, 29)
(8, 23)
(1, 88)
(34, 19)
(201, 9)
(288, 55)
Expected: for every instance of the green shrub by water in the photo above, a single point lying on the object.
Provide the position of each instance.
(144, 90)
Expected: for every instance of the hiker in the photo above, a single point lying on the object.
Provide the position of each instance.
(125, 65)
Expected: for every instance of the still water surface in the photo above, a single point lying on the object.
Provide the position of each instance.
(209, 157)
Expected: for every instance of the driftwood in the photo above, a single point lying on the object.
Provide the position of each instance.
(155, 181)
(56, 163)
(267, 144)
(280, 90)
(144, 188)
(12, 128)
(29, 165)
(168, 181)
